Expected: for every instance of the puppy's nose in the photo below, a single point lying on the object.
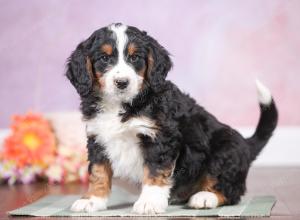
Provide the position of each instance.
(121, 83)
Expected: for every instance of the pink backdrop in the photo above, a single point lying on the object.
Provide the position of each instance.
(218, 48)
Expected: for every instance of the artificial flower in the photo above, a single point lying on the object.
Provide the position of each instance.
(28, 174)
(70, 165)
(10, 173)
(31, 152)
(31, 142)
(54, 173)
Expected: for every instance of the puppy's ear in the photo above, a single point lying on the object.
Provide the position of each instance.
(158, 63)
(79, 68)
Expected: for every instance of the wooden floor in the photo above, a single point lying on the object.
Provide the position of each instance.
(284, 183)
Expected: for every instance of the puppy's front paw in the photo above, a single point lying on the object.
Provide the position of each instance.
(89, 205)
(153, 200)
(148, 206)
(204, 200)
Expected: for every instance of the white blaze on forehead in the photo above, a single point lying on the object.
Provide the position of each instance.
(122, 69)
(121, 39)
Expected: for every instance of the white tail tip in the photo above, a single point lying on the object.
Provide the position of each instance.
(263, 93)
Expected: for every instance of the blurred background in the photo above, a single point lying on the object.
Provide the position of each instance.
(218, 49)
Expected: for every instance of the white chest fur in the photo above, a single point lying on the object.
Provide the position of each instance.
(121, 142)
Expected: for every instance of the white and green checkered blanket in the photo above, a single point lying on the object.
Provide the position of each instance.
(121, 201)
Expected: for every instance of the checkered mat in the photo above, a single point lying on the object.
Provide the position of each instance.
(121, 201)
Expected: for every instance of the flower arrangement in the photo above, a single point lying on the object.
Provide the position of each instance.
(69, 165)
(32, 151)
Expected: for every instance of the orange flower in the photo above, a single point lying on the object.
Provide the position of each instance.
(32, 141)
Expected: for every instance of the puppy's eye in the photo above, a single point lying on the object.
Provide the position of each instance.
(105, 58)
(134, 58)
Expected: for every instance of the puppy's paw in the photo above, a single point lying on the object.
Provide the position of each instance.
(149, 206)
(153, 200)
(203, 200)
(89, 205)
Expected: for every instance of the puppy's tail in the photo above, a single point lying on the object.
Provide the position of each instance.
(267, 121)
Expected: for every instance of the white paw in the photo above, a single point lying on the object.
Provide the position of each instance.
(149, 206)
(89, 205)
(203, 199)
(153, 200)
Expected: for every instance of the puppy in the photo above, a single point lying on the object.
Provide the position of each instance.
(141, 127)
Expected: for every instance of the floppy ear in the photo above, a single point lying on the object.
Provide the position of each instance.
(158, 63)
(79, 69)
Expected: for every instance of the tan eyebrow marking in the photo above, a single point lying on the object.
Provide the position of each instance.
(131, 49)
(107, 48)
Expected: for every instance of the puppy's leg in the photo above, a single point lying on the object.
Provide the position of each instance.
(99, 189)
(155, 192)
(207, 197)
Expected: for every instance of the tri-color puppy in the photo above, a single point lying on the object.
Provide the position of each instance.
(141, 127)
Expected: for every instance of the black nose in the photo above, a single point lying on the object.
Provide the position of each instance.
(121, 83)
